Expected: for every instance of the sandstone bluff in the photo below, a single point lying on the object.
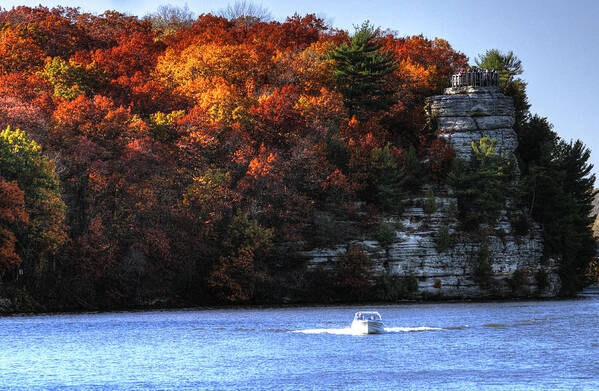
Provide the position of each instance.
(462, 115)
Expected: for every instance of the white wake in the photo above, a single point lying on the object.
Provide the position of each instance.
(349, 331)
(410, 329)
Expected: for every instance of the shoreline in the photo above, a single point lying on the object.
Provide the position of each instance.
(284, 306)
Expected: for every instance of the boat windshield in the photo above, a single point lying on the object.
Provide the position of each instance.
(367, 316)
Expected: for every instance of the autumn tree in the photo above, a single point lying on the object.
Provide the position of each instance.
(353, 273)
(242, 265)
(423, 69)
(25, 114)
(441, 158)
(22, 163)
(71, 79)
(19, 50)
(12, 214)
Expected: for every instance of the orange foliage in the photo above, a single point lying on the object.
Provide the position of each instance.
(424, 63)
(181, 133)
(12, 213)
(19, 51)
(261, 167)
(134, 53)
(276, 120)
(12, 203)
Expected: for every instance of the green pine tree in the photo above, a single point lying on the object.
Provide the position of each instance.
(360, 72)
(562, 203)
(482, 185)
(558, 187)
(509, 67)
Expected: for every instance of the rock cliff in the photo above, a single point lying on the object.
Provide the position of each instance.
(466, 114)
(508, 263)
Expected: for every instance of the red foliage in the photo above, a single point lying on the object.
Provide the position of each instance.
(277, 121)
(19, 51)
(12, 203)
(441, 155)
(134, 53)
(295, 33)
(19, 114)
(12, 213)
(180, 133)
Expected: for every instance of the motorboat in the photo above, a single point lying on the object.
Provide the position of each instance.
(368, 322)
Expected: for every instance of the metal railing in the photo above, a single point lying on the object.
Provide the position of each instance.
(479, 77)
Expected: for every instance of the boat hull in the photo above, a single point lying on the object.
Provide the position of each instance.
(368, 327)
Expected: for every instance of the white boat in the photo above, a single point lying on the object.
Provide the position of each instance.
(369, 322)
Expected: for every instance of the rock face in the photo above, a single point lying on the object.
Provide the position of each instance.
(517, 268)
(508, 264)
(467, 114)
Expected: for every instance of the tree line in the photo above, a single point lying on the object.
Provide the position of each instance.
(190, 159)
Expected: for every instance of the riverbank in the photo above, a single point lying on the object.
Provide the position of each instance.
(36, 309)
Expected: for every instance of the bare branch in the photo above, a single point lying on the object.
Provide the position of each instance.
(245, 12)
(169, 18)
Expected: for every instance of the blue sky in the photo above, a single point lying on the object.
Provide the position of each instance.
(557, 41)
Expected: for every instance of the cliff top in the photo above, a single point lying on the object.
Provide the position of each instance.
(468, 90)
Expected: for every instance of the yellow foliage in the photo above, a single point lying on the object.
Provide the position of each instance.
(310, 69)
(415, 75)
(319, 110)
(221, 99)
(233, 63)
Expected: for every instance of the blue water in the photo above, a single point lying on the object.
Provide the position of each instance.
(516, 345)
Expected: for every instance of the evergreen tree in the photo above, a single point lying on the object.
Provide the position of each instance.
(387, 190)
(360, 71)
(564, 207)
(482, 185)
(536, 141)
(558, 187)
(509, 67)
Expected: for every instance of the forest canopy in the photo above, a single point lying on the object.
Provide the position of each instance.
(174, 155)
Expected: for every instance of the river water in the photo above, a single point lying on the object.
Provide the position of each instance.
(504, 346)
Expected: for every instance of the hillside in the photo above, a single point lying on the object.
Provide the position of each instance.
(206, 161)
